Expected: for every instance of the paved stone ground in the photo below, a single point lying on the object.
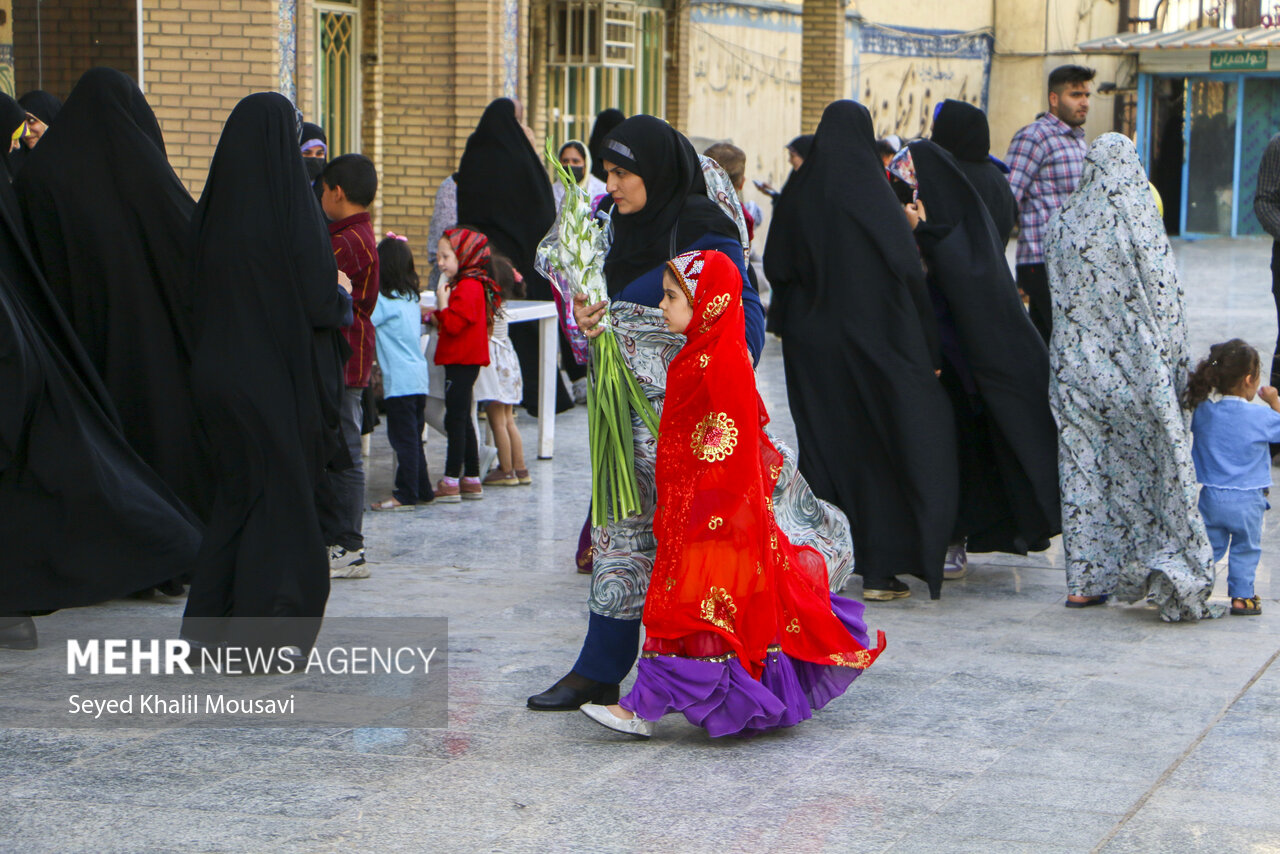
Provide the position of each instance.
(997, 721)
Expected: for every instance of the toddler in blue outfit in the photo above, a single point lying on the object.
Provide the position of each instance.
(1233, 460)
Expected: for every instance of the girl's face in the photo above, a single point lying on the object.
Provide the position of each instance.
(1249, 386)
(446, 260)
(627, 189)
(676, 310)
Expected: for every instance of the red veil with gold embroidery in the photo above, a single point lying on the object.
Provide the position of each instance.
(726, 580)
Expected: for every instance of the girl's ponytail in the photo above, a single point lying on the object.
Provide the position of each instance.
(1227, 365)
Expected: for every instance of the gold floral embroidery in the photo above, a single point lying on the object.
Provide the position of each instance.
(859, 660)
(773, 540)
(775, 471)
(715, 522)
(794, 626)
(704, 360)
(671, 582)
(714, 438)
(759, 568)
(718, 608)
(714, 309)
(773, 649)
(768, 503)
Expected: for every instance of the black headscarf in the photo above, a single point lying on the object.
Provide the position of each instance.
(109, 223)
(997, 370)
(504, 192)
(605, 123)
(860, 350)
(266, 372)
(315, 166)
(802, 145)
(962, 129)
(86, 518)
(677, 204)
(12, 116)
(43, 105)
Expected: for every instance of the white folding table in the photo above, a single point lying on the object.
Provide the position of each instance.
(544, 312)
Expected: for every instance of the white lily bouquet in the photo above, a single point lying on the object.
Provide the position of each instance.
(572, 256)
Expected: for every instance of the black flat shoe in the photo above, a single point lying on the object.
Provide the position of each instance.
(20, 633)
(571, 692)
(1088, 603)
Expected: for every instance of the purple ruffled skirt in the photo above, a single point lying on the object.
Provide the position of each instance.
(722, 698)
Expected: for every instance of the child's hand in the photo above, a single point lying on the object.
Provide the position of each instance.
(589, 316)
(916, 213)
(1270, 396)
(344, 281)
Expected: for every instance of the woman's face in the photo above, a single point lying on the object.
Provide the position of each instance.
(35, 130)
(627, 189)
(676, 310)
(446, 260)
(570, 158)
(796, 160)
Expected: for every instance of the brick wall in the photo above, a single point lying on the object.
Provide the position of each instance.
(74, 36)
(822, 74)
(202, 57)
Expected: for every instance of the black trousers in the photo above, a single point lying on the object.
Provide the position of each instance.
(406, 416)
(1033, 280)
(1275, 294)
(463, 452)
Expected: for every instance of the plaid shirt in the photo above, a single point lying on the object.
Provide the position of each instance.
(356, 251)
(1266, 203)
(1045, 161)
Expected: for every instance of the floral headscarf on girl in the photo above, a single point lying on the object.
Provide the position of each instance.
(726, 581)
(475, 262)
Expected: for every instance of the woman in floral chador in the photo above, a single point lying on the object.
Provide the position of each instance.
(1119, 358)
(742, 634)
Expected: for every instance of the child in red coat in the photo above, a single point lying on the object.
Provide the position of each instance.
(466, 299)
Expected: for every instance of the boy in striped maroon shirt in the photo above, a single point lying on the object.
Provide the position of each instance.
(350, 184)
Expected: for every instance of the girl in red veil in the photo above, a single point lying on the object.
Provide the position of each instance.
(742, 635)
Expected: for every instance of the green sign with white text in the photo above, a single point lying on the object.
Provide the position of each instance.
(1237, 60)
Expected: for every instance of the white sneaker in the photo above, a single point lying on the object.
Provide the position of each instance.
(636, 726)
(347, 564)
(956, 565)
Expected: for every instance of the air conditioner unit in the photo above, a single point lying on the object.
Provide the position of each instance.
(593, 33)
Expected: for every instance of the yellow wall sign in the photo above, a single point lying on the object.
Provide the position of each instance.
(1237, 60)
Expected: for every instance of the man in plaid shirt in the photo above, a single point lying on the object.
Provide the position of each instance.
(1045, 161)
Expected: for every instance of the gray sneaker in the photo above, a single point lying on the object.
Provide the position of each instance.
(347, 564)
(956, 565)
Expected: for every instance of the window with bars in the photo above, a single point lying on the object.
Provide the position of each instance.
(582, 80)
(337, 97)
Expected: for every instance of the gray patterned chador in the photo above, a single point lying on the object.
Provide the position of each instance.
(1130, 525)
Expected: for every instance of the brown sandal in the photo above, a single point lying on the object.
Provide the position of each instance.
(1251, 607)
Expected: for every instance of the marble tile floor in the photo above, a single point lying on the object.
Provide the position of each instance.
(997, 721)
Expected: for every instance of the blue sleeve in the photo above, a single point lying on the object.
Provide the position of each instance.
(1269, 420)
(380, 314)
(348, 317)
(752, 310)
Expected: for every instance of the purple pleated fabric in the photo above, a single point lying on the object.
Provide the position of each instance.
(723, 699)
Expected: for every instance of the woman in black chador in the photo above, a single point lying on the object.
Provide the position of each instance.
(266, 376)
(109, 222)
(83, 517)
(995, 367)
(504, 193)
(963, 130)
(860, 349)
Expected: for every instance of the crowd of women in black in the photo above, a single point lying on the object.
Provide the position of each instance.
(168, 366)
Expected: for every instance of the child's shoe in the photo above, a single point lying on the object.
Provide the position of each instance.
(448, 493)
(1251, 607)
(498, 477)
(523, 476)
(470, 489)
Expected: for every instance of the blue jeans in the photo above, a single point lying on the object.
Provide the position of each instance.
(1233, 517)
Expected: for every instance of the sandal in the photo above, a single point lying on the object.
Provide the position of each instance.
(1251, 607)
(1089, 603)
(391, 504)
